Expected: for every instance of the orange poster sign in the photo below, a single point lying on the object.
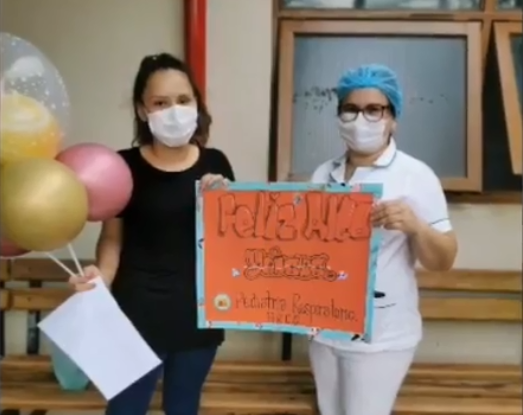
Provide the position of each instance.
(290, 257)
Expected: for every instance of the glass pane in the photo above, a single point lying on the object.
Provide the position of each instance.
(510, 4)
(517, 53)
(432, 72)
(384, 4)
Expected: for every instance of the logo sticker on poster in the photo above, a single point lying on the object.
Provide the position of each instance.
(299, 258)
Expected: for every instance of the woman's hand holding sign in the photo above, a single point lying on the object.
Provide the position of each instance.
(395, 215)
(435, 250)
(213, 181)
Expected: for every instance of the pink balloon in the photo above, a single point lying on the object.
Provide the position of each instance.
(106, 176)
(9, 249)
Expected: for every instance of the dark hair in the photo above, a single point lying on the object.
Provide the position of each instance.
(161, 62)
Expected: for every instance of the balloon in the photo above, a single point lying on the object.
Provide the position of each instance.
(27, 129)
(43, 206)
(35, 108)
(9, 249)
(106, 176)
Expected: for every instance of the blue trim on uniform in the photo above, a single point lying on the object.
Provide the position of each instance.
(337, 173)
(439, 221)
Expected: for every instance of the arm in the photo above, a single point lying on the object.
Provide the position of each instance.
(433, 243)
(108, 249)
(435, 250)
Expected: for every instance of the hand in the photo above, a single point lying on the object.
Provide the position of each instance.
(213, 181)
(395, 215)
(81, 283)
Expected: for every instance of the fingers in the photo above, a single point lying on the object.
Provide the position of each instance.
(213, 181)
(380, 213)
(377, 215)
(393, 215)
(91, 272)
(388, 215)
(393, 221)
(81, 283)
(394, 226)
(84, 287)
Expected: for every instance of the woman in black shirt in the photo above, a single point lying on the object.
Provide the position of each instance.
(147, 255)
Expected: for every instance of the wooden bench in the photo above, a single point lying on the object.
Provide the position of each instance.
(255, 388)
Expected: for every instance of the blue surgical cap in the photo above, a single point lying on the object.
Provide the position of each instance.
(375, 76)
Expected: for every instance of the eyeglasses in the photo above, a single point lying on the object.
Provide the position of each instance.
(372, 113)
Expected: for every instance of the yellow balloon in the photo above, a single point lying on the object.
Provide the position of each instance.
(43, 206)
(27, 129)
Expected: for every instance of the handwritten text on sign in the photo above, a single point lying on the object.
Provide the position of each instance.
(285, 260)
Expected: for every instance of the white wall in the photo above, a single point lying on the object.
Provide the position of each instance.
(97, 45)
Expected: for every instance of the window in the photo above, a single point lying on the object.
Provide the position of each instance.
(455, 5)
(509, 50)
(509, 4)
(442, 90)
(384, 4)
(494, 152)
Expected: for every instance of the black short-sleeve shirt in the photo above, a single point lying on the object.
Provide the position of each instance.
(155, 284)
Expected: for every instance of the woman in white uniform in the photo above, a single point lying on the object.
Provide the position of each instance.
(354, 377)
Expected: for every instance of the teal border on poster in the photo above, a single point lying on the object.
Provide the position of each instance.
(374, 188)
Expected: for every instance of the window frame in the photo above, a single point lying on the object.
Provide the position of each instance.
(289, 29)
(486, 12)
(436, 10)
(509, 90)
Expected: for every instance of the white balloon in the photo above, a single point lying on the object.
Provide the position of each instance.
(25, 70)
(25, 67)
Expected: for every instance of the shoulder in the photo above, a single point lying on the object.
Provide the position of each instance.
(130, 155)
(424, 193)
(420, 177)
(323, 172)
(415, 168)
(217, 162)
(214, 157)
(213, 153)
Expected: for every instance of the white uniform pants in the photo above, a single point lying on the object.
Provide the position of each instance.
(354, 383)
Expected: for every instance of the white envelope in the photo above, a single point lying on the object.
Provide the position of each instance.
(92, 330)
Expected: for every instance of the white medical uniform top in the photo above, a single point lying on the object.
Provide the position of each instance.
(397, 320)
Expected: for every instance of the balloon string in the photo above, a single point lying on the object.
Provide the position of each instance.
(75, 259)
(60, 264)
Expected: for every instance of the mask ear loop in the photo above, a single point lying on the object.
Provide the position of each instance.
(393, 126)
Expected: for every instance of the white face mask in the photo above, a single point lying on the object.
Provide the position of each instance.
(174, 126)
(361, 135)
